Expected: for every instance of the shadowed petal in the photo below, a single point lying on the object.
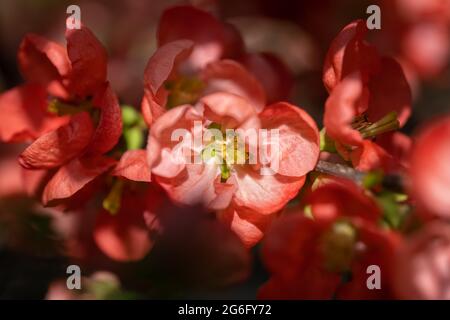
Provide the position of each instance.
(24, 115)
(57, 147)
(72, 177)
(109, 128)
(230, 76)
(89, 61)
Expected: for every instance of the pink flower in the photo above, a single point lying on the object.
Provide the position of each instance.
(243, 197)
(199, 55)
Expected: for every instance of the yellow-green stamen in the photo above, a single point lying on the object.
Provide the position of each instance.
(113, 200)
(62, 109)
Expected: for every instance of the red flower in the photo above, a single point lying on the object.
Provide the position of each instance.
(423, 264)
(369, 95)
(327, 256)
(193, 60)
(75, 80)
(244, 198)
(429, 173)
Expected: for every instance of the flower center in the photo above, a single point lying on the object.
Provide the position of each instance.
(368, 129)
(183, 90)
(338, 246)
(226, 150)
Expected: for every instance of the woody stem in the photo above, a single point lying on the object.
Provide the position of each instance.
(391, 182)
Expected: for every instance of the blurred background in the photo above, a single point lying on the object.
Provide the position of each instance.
(416, 32)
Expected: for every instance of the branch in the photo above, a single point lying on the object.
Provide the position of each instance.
(391, 182)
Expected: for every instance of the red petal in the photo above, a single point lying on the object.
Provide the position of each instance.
(421, 271)
(429, 170)
(298, 138)
(109, 128)
(159, 68)
(249, 226)
(341, 108)
(264, 194)
(370, 156)
(273, 74)
(194, 185)
(349, 53)
(342, 198)
(133, 166)
(24, 115)
(398, 145)
(72, 177)
(125, 235)
(89, 61)
(234, 44)
(228, 109)
(45, 62)
(389, 91)
(231, 77)
(57, 147)
(185, 22)
(12, 182)
(160, 145)
(289, 244)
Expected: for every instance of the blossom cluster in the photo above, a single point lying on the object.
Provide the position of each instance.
(354, 194)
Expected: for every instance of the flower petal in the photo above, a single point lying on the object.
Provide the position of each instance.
(230, 76)
(429, 168)
(265, 194)
(249, 226)
(133, 166)
(194, 185)
(342, 198)
(389, 91)
(341, 108)
(55, 148)
(124, 236)
(349, 53)
(160, 67)
(161, 153)
(72, 177)
(228, 109)
(398, 145)
(45, 62)
(298, 138)
(275, 77)
(300, 233)
(421, 271)
(89, 61)
(109, 128)
(370, 156)
(24, 115)
(186, 22)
